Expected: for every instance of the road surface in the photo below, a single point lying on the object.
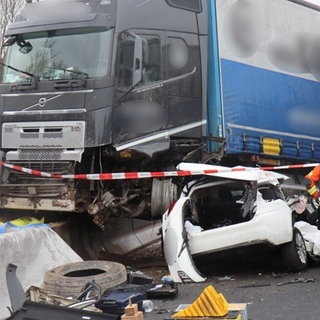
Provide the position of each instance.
(271, 293)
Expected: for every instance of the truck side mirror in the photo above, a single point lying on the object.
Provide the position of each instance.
(133, 55)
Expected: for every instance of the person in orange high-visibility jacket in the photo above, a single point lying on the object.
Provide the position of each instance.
(312, 186)
(314, 181)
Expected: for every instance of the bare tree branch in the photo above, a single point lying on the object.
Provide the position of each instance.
(8, 11)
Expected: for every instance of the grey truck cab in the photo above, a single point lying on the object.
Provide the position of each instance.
(99, 86)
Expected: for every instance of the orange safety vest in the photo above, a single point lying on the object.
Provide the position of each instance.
(314, 177)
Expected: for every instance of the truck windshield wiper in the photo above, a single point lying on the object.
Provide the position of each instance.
(79, 72)
(72, 81)
(18, 70)
(22, 85)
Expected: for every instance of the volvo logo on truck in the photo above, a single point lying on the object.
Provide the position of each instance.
(42, 102)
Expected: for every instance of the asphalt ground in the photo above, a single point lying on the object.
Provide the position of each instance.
(269, 291)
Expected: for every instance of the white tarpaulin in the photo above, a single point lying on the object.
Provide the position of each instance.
(34, 251)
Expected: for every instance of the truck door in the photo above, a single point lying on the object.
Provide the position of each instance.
(166, 103)
(141, 109)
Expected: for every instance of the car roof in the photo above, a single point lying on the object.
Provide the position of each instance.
(234, 173)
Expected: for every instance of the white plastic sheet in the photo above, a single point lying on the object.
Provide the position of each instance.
(34, 251)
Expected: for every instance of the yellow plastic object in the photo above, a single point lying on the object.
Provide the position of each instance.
(210, 303)
(271, 146)
(23, 221)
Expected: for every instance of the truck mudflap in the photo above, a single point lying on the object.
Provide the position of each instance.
(176, 249)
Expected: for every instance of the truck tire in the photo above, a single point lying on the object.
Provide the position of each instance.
(294, 253)
(163, 193)
(70, 279)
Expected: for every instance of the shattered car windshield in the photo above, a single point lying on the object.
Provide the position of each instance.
(58, 54)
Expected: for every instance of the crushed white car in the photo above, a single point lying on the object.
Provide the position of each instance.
(228, 209)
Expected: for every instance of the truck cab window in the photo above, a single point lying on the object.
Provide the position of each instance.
(178, 53)
(151, 70)
(183, 57)
(152, 59)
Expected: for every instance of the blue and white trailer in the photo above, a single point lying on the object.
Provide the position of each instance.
(264, 73)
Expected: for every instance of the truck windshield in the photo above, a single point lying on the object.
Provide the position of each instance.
(58, 54)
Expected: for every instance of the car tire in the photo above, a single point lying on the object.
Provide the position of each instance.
(69, 280)
(294, 253)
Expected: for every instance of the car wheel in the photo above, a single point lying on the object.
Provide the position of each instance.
(69, 280)
(294, 253)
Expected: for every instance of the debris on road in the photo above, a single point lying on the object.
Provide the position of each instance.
(132, 312)
(62, 285)
(224, 278)
(137, 277)
(255, 285)
(34, 248)
(298, 280)
(69, 280)
(96, 289)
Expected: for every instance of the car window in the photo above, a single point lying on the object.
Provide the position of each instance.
(222, 204)
(227, 192)
(270, 192)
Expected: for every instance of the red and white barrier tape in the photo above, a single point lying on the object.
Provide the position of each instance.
(151, 174)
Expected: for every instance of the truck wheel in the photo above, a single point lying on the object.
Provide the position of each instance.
(294, 253)
(70, 279)
(163, 193)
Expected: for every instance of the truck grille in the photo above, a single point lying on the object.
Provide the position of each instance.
(43, 135)
(44, 141)
(35, 154)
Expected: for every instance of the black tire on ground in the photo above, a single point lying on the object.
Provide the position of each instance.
(70, 279)
(294, 253)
